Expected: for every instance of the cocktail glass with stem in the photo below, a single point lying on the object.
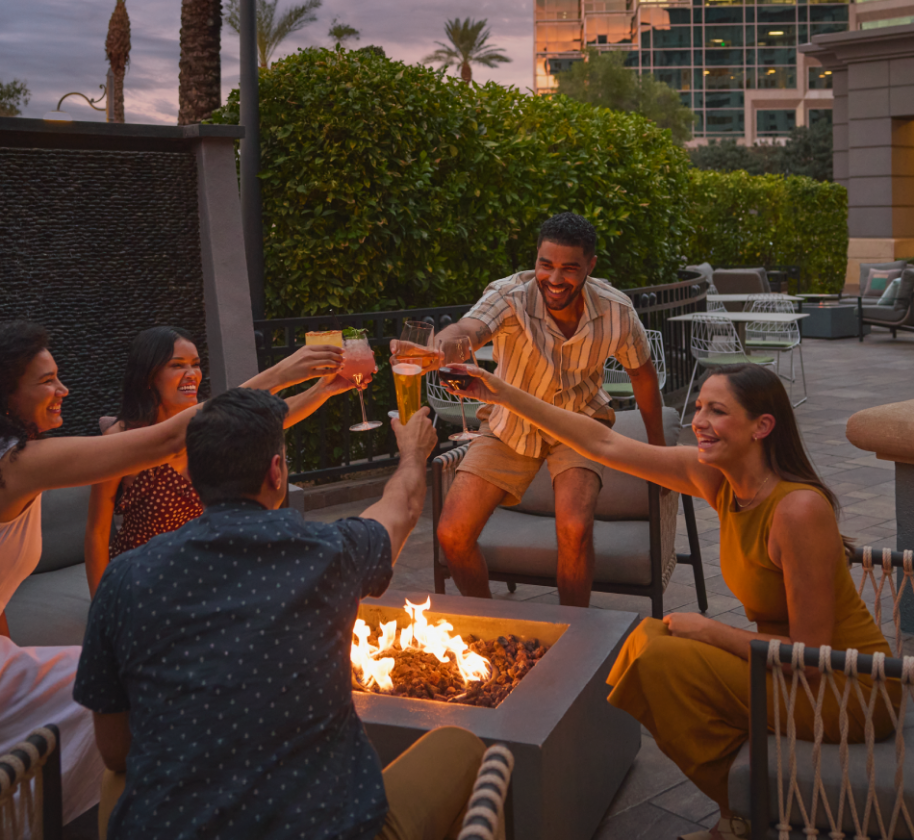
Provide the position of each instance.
(358, 363)
(453, 373)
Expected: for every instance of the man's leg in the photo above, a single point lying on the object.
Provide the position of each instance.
(429, 785)
(467, 508)
(576, 492)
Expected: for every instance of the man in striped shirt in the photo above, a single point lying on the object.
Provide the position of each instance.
(552, 330)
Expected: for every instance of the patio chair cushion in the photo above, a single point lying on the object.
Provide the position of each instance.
(743, 281)
(889, 314)
(734, 359)
(884, 755)
(878, 281)
(771, 345)
(619, 389)
(886, 266)
(50, 608)
(517, 543)
(705, 269)
(623, 496)
(63, 527)
(905, 289)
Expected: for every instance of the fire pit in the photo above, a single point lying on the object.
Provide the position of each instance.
(411, 658)
(571, 748)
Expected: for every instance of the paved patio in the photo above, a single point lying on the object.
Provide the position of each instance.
(657, 801)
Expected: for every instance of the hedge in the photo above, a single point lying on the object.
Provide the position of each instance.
(742, 219)
(387, 185)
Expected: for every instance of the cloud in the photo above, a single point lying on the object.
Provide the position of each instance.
(58, 46)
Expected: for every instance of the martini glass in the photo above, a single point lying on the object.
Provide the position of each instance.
(453, 373)
(358, 362)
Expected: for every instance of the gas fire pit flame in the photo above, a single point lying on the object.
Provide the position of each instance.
(418, 635)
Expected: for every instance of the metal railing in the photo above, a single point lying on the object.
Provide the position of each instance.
(322, 448)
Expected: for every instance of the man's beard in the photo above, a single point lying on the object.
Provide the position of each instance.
(565, 302)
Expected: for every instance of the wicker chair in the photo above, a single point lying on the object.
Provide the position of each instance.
(31, 798)
(486, 810)
(634, 529)
(833, 790)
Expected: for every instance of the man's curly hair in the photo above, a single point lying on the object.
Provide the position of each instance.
(569, 229)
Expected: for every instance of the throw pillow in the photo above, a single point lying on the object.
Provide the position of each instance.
(886, 266)
(888, 297)
(879, 280)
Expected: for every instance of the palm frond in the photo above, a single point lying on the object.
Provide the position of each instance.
(270, 31)
(469, 43)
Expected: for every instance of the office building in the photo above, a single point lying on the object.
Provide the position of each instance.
(735, 64)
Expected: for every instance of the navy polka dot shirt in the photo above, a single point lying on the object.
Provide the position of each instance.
(228, 643)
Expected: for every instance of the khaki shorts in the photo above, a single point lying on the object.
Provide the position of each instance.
(496, 462)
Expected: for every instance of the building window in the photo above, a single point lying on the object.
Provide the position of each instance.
(825, 28)
(724, 99)
(676, 36)
(722, 37)
(723, 78)
(558, 37)
(725, 122)
(773, 35)
(675, 78)
(774, 78)
(828, 13)
(558, 10)
(878, 24)
(777, 14)
(775, 122)
(672, 58)
(817, 115)
(618, 28)
(769, 58)
(819, 79)
(724, 15)
(721, 57)
(560, 65)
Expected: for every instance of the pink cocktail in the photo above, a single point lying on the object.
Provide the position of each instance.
(359, 363)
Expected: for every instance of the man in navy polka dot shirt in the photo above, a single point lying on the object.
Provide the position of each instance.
(216, 657)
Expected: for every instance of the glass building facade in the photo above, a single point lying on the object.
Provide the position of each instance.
(735, 64)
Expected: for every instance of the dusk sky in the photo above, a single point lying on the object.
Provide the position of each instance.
(57, 46)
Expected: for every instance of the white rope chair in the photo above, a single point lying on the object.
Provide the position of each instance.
(715, 343)
(31, 801)
(776, 338)
(447, 406)
(618, 384)
(838, 790)
(485, 816)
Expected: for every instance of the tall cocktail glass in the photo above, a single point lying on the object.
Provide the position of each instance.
(453, 374)
(358, 363)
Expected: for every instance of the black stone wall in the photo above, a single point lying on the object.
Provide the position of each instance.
(97, 246)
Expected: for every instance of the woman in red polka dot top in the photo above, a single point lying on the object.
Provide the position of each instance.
(162, 379)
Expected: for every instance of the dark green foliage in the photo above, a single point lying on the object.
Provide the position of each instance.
(14, 96)
(391, 186)
(604, 80)
(741, 219)
(808, 151)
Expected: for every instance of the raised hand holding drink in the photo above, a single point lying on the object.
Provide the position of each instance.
(455, 376)
(358, 362)
(407, 385)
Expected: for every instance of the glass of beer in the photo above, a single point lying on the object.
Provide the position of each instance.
(416, 346)
(453, 374)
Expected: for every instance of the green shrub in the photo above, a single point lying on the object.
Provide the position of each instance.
(388, 185)
(742, 219)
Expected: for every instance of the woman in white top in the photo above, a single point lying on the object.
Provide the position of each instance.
(36, 683)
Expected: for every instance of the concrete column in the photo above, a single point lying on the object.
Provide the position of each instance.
(227, 295)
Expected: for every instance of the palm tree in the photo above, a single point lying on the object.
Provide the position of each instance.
(117, 50)
(200, 69)
(341, 32)
(271, 32)
(468, 45)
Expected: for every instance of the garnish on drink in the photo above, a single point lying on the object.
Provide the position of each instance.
(331, 337)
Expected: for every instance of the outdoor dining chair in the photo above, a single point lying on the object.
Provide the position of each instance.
(447, 406)
(714, 305)
(715, 343)
(31, 797)
(618, 384)
(776, 338)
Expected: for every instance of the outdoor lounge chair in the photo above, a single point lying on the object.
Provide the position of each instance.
(760, 784)
(634, 531)
(31, 793)
(898, 315)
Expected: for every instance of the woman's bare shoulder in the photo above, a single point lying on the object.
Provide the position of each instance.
(115, 427)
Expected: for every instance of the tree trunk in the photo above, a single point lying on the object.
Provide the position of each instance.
(200, 71)
(118, 94)
(117, 49)
(466, 72)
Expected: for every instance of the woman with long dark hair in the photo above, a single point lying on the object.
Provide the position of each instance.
(36, 684)
(686, 678)
(162, 378)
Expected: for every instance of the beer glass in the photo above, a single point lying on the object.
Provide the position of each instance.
(414, 356)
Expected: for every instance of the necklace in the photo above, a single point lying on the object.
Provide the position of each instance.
(740, 506)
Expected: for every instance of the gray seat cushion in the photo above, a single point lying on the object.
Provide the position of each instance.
(886, 266)
(63, 527)
(742, 281)
(623, 496)
(884, 762)
(50, 608)
(889, 314)
(518, 543)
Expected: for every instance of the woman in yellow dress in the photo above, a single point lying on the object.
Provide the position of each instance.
(686, 678)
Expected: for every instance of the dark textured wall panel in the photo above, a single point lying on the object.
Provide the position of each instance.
(98, 246)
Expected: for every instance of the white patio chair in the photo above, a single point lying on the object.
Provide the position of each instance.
(618, 384)
(715, 343)
(776, 338)
(447, 406)
(714, 305)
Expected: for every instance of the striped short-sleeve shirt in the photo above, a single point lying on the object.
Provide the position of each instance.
(534, 355)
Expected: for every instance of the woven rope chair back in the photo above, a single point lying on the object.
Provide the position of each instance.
(30, 798)
(714, 305)
(485, 816)
(714, 336)
(886, 593)
(614, 372)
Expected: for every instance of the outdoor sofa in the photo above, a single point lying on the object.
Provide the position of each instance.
(895, 315)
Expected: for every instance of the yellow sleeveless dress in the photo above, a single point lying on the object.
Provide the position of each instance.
(694, 697)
